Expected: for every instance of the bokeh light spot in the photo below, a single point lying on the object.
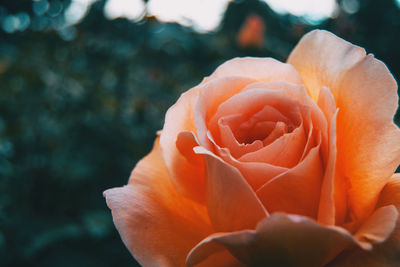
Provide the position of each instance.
(130, 9)
(351, 6)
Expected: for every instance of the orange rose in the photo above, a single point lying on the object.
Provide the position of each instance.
(272, 164)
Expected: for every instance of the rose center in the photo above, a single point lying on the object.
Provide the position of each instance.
(266, 125)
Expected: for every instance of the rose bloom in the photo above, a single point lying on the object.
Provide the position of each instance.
(272, 164)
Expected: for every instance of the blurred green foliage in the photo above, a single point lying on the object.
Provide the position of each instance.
(80, 105)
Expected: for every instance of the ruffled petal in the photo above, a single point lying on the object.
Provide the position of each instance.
(367, 139)
(185, 175)
(366, 94)
(259, 69)
(255, 173)
(321, 58)
(231, 202)
(391, 192)
(157, 224)
(298, 190)
(286, 151)
(279, 240)
(332, 204)
(212, 94)
(386, 253)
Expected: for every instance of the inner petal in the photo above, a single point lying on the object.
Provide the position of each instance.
(251, 131)
(286, 151)
(228, 139)
(280, 129)
(241, 134)
(248, 128)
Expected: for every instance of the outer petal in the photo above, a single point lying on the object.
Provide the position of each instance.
(366, 95)
(321, 58)
(259, 69)
(255, 173)
(149, 214)
(185, 175)
(212, 94)
(387, 253)
(298, 190)
(279, 240)
(232, 204)
(367, 139)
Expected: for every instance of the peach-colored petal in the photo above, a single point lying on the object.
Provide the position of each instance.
(333, 201)
(279, 240)
(365, 93)
(232, 204)
(305, 104)
(186, 176)
(285, 151)
(391, 192)
(229, 141)
(386, 253)
(298, 190)
(279, 130)
(149, 213)
(321, 58)
(259, 69)
(326, 102)
(212, 94)
(255, 173)
(249, 102)
(378, 227)
(185, 142)
(328, 209)
(368, 140)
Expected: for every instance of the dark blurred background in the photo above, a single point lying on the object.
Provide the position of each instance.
(83, 92)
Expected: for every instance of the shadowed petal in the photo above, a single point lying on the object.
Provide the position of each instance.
(321, 58)
(185, 175)
(158, 225)
(298, 190)
(279, 240)
(366, 94)
(386, 253)
(232, 204)
(259, 69)
(367, 139)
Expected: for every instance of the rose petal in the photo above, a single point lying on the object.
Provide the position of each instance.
(255, 173)
(259, 69)
(327, 104)
(212, 94)
(296, 191)
(378, 227)
(332, 204)
(279, 130)
(366, 93)
(391, 192)
(279, 240)
(321, 58)
(285, 151)
(249, 102)
(232, 204)
(186, 176)
(368, 140)
(149, 213)
(229, 141)
(386, 253)
(317, 123)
